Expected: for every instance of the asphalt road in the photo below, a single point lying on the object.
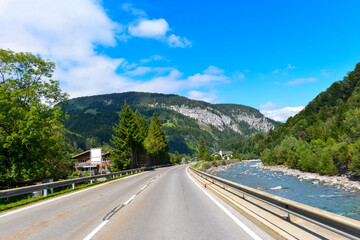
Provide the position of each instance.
(162, 204)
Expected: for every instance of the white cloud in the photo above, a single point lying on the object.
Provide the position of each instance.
(176, 41)
(203, 96)
(144, 70)
(300, 81)
(135, 11)
(268, 106)
(282, 114)
(68, 32)
(213, 70)
(289, 66)
(155, 28)
(152, 58)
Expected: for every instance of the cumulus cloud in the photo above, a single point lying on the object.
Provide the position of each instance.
(155, 28)
(177, 41)
(281, 114)
(300, 81)
(68, 32)
(203, 96)
(213, 70)
(128, 7)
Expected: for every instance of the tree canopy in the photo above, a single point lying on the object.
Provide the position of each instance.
(31, 133)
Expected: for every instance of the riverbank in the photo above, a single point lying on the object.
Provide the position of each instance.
(337, 181)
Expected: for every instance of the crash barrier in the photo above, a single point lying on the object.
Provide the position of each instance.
(342, 225)
(45, 186)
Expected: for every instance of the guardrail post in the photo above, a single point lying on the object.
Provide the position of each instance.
(73, 186)
(126, 173)
(120, 175)
(131, 172)
(91, 181)
(290, 217)
(45, 192)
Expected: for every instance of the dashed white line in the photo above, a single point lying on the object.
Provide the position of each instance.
(143, 187)
(63, 196)
(128, 201)
(235, 219)
(88, 237)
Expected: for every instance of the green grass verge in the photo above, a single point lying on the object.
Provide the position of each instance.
(22, 200)
(197, 165)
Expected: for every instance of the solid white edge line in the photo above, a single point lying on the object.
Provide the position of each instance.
(63, 196)
(128, 201)
(143, 187)
(88, 237)
(235, 219)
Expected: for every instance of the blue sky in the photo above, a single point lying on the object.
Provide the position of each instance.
(272, 55)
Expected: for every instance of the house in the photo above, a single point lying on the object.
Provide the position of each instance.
(225, 154)
(93, 161)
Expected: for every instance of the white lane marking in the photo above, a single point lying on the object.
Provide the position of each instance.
(128, 201)
(63, 196)
(88, 237)
(235, 219)
(143, 187)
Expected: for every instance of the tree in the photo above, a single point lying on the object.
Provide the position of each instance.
(156, 143)
(202, 147)
(32, 142)
(127, 140)
(175, 158)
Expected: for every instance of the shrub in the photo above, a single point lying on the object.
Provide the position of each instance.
(215, 163)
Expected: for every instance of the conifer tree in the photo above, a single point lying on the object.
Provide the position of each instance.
(143, 129)
(127, 139)
(202, 147)
(156, 143)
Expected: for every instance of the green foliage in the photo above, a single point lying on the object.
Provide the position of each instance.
(202, 147)
(215, 163)
(32, 143)
(223, 162)
(128, 139)
(208, 157)
(93, 118)
(156, 143)
(322, 138)
(175, 158)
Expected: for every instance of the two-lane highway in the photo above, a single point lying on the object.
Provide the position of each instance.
(162, 204)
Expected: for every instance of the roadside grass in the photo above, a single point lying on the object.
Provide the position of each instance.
(23, 200)
(197, 165)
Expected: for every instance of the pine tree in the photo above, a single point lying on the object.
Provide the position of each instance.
(143, 129)
(127, 139)
(202, 148)
(156, 143)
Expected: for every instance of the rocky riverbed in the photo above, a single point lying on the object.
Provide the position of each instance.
(338, 181)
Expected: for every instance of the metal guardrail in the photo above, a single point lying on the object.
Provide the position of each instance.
(342, 225)
(29, 189)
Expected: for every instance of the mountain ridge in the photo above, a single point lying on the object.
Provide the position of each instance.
(233, 120)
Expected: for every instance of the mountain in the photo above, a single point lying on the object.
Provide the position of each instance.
(324, 137)
(91, 120)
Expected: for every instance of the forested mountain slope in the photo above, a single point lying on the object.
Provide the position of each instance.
(91, 120)
(324, 137)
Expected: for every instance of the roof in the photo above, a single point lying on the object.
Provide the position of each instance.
(86, 152)
(83, 153)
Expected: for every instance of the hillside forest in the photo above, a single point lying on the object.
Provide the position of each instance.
(324, 137)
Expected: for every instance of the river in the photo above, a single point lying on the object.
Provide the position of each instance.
(326, 197)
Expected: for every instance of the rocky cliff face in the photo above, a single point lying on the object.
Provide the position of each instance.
(220, 120)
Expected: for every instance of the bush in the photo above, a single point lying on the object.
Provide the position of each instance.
(223, 162)
(215, 163)
(206, 166)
